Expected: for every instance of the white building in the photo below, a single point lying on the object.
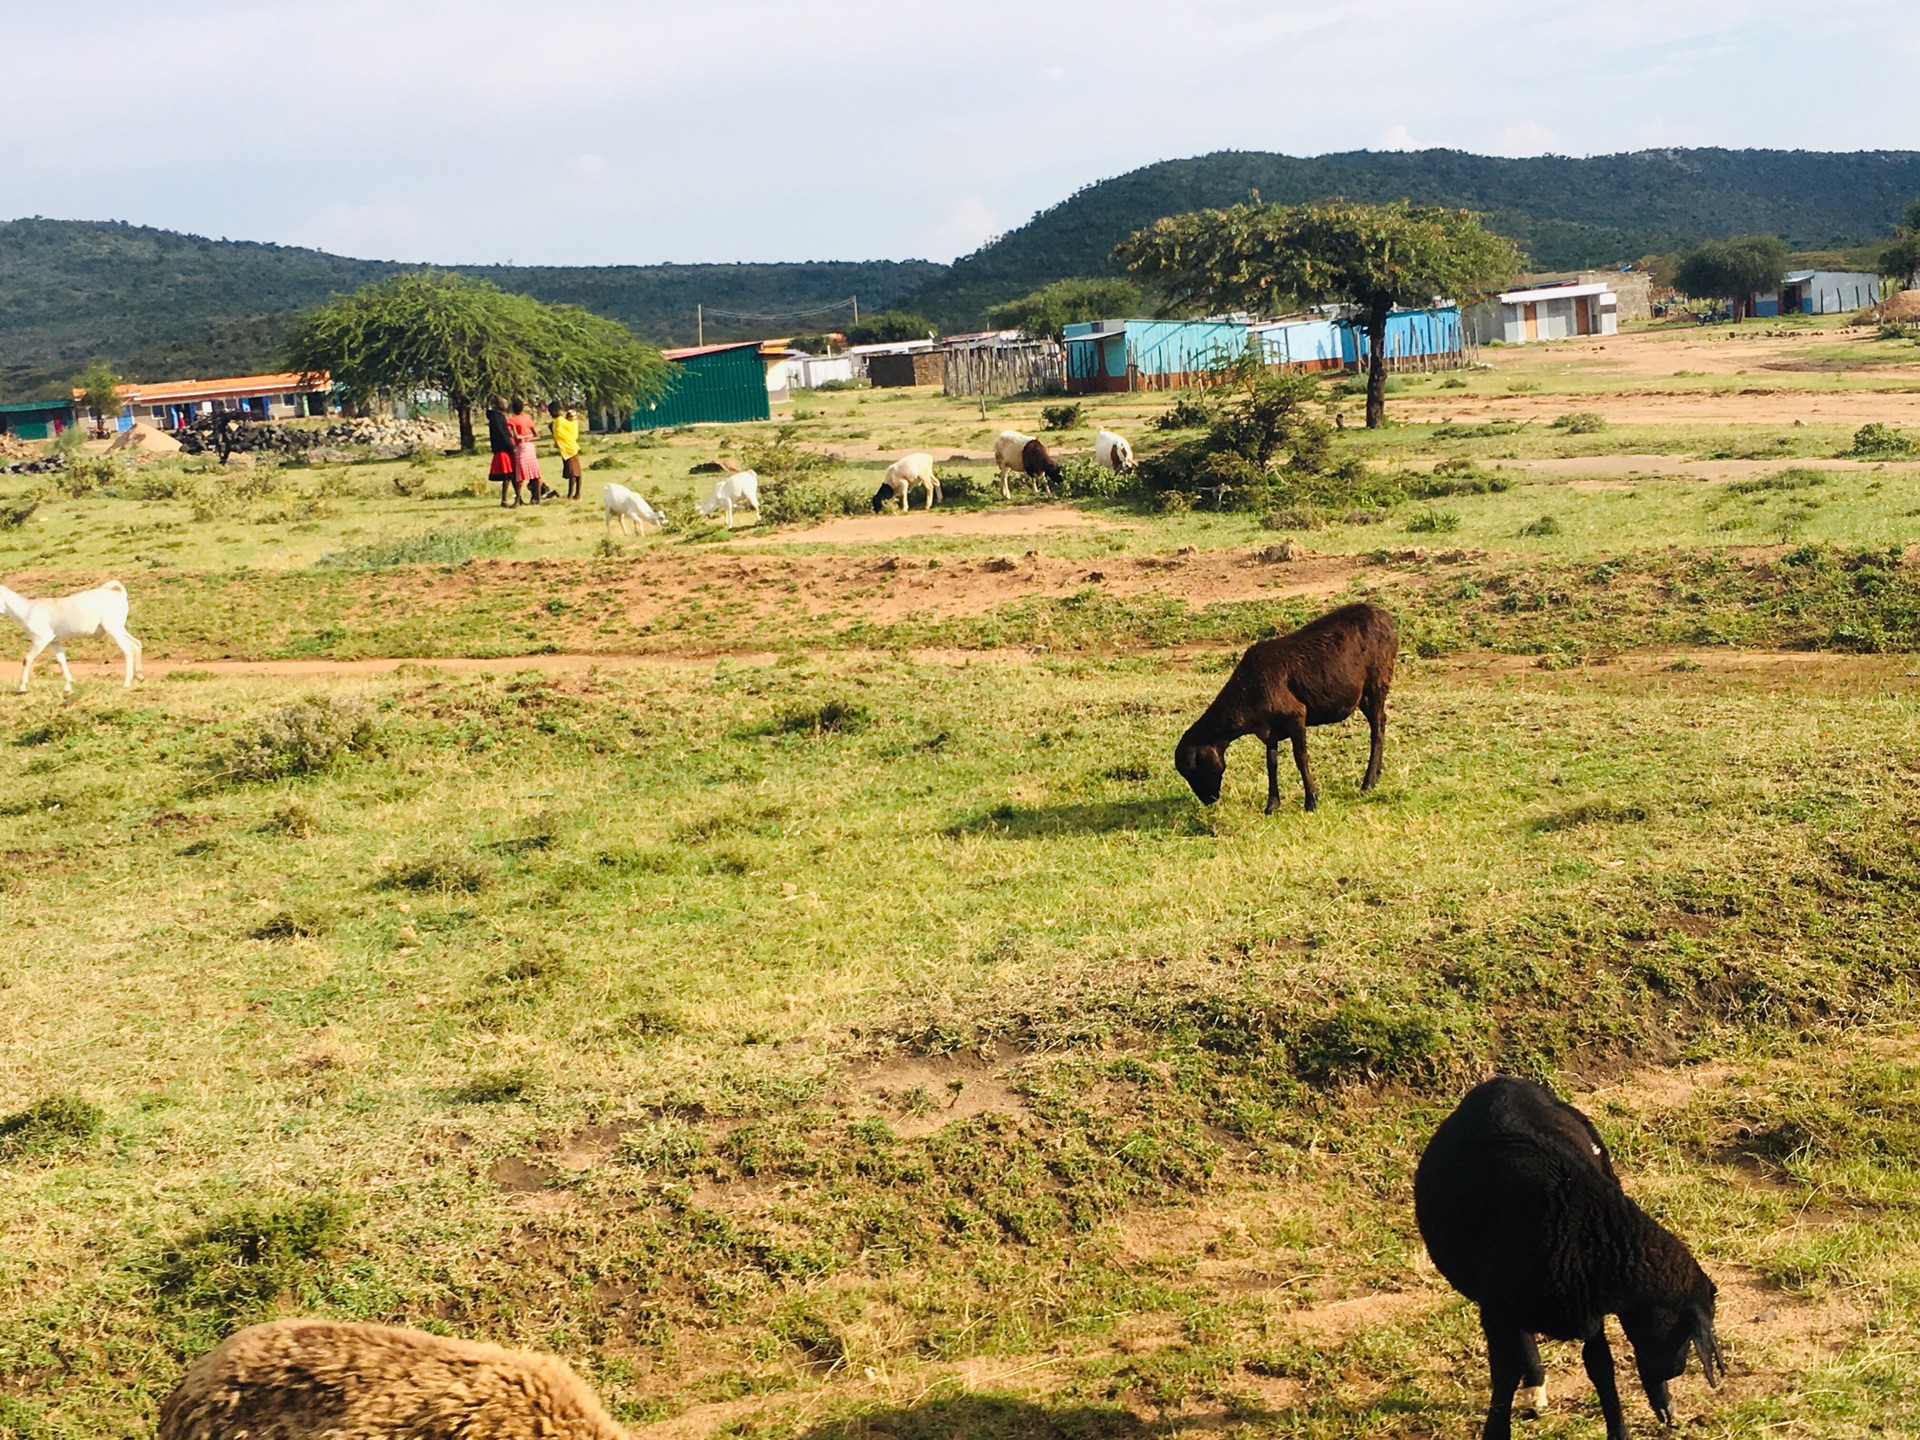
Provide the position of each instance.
(1822, 292)
(1546, 312)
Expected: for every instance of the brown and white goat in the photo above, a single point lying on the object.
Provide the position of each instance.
(1318, 675)
(1017, 454)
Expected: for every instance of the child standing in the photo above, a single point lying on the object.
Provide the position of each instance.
(566, 440)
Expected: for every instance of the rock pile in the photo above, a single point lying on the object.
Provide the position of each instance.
(385, 437)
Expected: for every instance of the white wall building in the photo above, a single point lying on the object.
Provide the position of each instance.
(1547, 312)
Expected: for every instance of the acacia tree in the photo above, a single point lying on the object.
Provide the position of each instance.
(468, 339)
(1048, 311)
(97, 388)
(1735, 269)
(1901, 260)
(1260, 257)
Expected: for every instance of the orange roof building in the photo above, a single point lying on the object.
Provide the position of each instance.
(171, 404)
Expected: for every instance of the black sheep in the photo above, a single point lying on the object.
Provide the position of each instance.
(1521, 1211)
(1318, 675)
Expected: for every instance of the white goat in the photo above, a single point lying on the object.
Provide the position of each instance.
(905, 473)
(54, 622)
(623, 505)
(1111, 451)
(1018, 454)
(738, 489)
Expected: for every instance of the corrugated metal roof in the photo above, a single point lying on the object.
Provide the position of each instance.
(176, 392)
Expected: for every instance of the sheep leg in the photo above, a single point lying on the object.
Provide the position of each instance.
(1300, 762)
(129, 647)
(1376, 708)
(1532, 1398)
(1506, 1365)
(1598, 1357)
(26, 666)
(1273, 775)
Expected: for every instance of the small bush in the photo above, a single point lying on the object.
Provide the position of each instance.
(1081, 476)
(1874, 441)
(495, 1087)
(806, 500)
(16, 510)
(307, 737)
(1545, 525)
(835, 717)
(1060, 417)
(1186, 413)
(297, 922)
(436, 547)
(238, 1264)
(50, 1125)
(294, 817)
(1457, 477)
(666, 1148)
(605, 462)
(1434, 522)
(1365, 1040)
(1357, 385)
(448, 872)
(1794, 477)
(410, 485)
(1581, 422)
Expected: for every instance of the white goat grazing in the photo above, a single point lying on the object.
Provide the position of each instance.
(54, 622)
(623, 505)
(738, 489)
(905, 473)
(1111, 451)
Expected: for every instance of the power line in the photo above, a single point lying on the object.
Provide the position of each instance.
(776, 316)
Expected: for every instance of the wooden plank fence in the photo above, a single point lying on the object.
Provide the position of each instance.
(1039, 368)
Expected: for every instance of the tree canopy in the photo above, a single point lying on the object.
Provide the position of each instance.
(888, 327)
(1048, 311)
(1901, 260)
(439, 330)
(1734, 269)
(99, 387)
(1269, 258)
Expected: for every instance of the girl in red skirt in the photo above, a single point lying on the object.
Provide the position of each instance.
(500, 442)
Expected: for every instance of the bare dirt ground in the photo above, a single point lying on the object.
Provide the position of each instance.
(1622, 468)
(893, 526)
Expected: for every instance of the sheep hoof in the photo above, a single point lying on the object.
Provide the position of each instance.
(1532, 1401)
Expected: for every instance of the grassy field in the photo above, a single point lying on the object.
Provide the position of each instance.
(794, 986)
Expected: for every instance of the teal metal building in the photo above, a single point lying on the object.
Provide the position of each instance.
(712, 383)
(35, 419)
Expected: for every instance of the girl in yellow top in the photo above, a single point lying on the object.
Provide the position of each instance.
(566, 440)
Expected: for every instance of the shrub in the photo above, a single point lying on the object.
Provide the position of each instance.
(1187, 413)
(1060, 417)
(305, 738)
(605, 462)
(1457, 477)
(795, 484)
(1434, 522)
(50, 1125)
(435, 547)
(1081, 476)
(237, 1264)
(1545, 525)
(16, 510)
(1357, 385)
(1581, 422)
(448, 872)
(83, 474)
(411, 486)
(1874, 441)
(1364, 1039)
(835, 717)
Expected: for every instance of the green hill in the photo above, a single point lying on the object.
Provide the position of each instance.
(1565, 213)
(162, 305)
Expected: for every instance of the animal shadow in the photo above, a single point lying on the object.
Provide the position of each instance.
(1176, 814)
(987, 1417)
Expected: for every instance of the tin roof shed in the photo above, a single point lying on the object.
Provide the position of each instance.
(722, 384)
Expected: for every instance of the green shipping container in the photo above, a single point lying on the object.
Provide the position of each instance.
(724, 383)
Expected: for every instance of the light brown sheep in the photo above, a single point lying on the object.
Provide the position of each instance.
(308, 1379)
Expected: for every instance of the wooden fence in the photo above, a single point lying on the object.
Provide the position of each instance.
(1039, 368)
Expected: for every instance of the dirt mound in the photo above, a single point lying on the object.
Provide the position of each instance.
(1901, 305)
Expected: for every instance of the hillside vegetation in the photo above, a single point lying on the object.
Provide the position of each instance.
(161, 304)
(1565, 213)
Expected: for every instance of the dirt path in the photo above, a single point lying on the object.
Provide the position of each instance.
(885, 529)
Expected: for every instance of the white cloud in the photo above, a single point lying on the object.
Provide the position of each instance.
(588, 167)
(1529, 137)
(968, 226)
(1056, 72)
(1398, 138)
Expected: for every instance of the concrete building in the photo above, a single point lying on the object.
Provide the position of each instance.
(1546, 312)
(170, 404)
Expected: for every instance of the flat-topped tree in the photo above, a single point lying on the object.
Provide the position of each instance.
(467, 339)
(1901, 260)
(1736, 270)
(1266, 258)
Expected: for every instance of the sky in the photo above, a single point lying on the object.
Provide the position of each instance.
(595, 132)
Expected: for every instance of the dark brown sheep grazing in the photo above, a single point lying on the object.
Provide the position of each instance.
(1521, 1211)
(325, 1380)
(1017, 454)
(1318, 675)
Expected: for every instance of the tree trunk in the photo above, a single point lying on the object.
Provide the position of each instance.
(464, 409)
(1377, 366)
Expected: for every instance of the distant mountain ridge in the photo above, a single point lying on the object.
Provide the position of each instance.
(1565, 213)
(162, 304)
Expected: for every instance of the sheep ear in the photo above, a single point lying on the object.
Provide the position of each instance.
(1712, 1362)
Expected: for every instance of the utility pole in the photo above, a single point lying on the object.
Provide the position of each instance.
(856, 309)
(699, 324)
